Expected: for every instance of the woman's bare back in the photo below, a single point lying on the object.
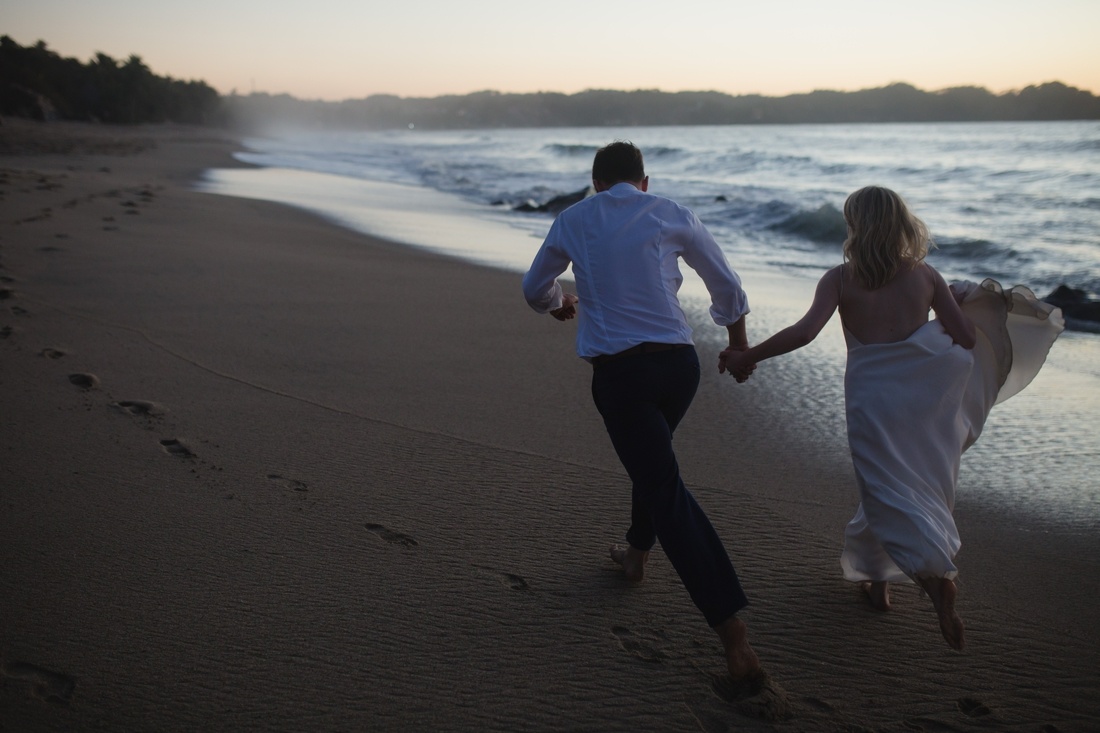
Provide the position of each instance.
(889, 313)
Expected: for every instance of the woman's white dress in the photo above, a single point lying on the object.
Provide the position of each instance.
(913, 407)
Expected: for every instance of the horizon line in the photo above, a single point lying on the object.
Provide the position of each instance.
(1014, 90)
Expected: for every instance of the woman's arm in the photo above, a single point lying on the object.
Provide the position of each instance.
(826, 300)
(958, 326)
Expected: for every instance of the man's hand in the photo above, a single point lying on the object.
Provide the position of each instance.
(568, 308)
(733, 360)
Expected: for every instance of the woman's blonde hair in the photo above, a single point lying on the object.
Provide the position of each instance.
(883, 236)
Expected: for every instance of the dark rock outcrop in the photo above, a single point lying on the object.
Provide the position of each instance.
(555, 205)
(1081, 312)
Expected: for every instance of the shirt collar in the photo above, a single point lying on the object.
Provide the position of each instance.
(624, 187)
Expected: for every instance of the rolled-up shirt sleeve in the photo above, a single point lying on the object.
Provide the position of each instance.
(727, 298)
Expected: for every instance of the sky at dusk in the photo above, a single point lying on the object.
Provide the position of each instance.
(341, 49)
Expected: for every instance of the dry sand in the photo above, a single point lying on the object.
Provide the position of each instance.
(314, 481)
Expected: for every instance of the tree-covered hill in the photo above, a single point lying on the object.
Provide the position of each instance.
(38, 83)
(595, 108)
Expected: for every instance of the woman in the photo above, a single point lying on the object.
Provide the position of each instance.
(917, 392)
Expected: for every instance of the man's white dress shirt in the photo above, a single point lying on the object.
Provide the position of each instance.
(624, 245)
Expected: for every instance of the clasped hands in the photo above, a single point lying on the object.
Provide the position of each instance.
(732, 360)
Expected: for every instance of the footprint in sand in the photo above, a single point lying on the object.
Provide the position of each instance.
(760, 697)
(6, 331)
(289, 483)
(973, 708)
(19, 311)
(46, 684)
(140, 407)
(84, 381)
(389, 535)
(52, 353)
(6, 293)
(40, 216)
(638, 646)
(513, 581)
(819, 704)
(176, 447)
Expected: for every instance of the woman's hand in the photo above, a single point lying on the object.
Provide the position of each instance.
(733, 360)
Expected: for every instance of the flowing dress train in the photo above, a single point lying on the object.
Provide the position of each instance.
(913, 407)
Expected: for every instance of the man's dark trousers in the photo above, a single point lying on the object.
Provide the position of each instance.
(642, 398)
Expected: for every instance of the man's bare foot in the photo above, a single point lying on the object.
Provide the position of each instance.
(878, 593)
(943, 593)
(741, 660)
(633, 561)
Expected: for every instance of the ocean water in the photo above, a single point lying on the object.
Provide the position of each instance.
(1017, 202)
(1012, 201)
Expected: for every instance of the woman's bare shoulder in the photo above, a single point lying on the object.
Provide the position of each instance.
(834, 275)
(926, 271)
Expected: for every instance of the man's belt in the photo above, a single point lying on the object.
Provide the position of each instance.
(643, 348)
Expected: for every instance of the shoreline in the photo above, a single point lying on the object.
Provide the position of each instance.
(325, 479)
(1057, 410)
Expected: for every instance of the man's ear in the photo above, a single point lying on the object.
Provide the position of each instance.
(645, 184)
(599, 185)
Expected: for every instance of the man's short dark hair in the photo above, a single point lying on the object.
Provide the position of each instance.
(617, 162)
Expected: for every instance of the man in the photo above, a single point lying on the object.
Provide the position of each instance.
(624, 244)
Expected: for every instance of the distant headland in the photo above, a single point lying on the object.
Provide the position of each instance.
(38, 83)
(602, 108)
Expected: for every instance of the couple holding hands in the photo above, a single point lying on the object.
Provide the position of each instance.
(917, 391)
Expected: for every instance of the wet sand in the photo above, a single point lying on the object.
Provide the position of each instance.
(258, 472)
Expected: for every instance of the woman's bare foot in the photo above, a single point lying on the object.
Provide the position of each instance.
(943, 593)
(878, 593)
(632, 560)
(741, 660)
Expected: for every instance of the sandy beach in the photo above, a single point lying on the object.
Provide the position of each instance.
(259, 472)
